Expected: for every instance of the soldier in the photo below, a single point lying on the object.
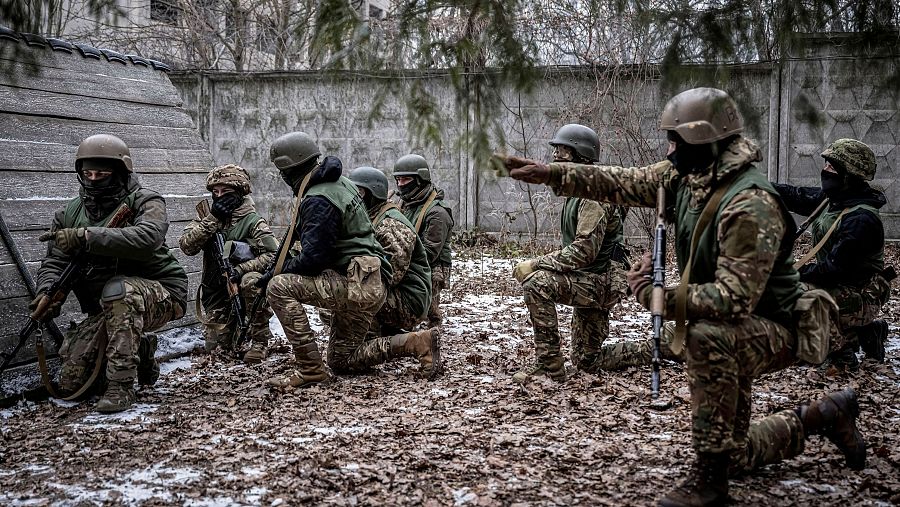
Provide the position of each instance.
(423, 206)
(738, 293)
(409, 290)
(250, 246)
(339, 267)
(135, 284)
(583, 273)
(850, 262)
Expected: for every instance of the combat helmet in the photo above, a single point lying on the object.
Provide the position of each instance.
(103, 146)
(583, 140)
(372, 180)
(231, 175)
(293, 150)
(702, 116)
(412, 165)
(853, 156)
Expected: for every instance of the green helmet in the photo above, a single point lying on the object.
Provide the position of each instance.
(292, 150)
(582, 139)
(103, 146)
(702, 116)
(412, 165)
(372, 180)
(853, 156)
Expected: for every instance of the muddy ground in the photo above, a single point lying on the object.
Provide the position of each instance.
(209, 433)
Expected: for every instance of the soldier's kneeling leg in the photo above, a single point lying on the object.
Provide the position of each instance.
(78, 353)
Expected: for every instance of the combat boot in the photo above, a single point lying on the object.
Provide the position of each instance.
(256, 354)
(872, 338)
(424, 346)
(148, 366)
(706, 486)
(834, 417)
(119, 396)
(310, 369)
(553, 367)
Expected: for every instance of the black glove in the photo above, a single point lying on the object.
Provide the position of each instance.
(263, 281)
(224, 206)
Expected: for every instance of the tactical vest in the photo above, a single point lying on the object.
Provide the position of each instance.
(158, 264)
(412, 214)
(783, 286)
(416, 284)
(612, 236)
(356, 237)
(871, 264)
(239, 230)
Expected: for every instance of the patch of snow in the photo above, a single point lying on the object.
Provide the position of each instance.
(64, 403)
(179, 341)
(37, 469)
(136, 414)
(183, 363)
(463, 496)
(486, 379)
(252, 471)
(334, 430)
(254, 495)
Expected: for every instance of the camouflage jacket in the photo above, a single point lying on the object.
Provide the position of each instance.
(436, 226)
(256, 233)
(596, 222)
(748, 232)
(398, 241)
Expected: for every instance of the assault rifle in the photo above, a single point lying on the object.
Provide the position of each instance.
(78, 268)
(812, 216)
(228, 273)
(657, 297)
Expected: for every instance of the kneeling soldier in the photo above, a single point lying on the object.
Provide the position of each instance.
(250, 247)
(134, 285)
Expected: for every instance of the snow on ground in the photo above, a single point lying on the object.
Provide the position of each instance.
(210, 433)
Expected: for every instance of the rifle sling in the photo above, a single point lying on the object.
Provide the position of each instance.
(706, 216)
(98, 365)
(289, 236)
(812, 253)
(382, 211)
(421, 218)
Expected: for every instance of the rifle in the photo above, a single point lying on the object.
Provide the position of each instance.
(78, 268)
(657, 297)
(812, 216)
(227, 271)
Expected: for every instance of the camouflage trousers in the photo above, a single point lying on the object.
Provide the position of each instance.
(221, 328)
(590, 294)
(440, 276)
(858, 307)
(131, 306)
(394, 316)
(723, 358)
(348, 351)
(625, 354)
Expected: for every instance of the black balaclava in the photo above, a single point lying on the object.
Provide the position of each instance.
(101, 197)
(691, 158)
(410, 188)
(836, 184)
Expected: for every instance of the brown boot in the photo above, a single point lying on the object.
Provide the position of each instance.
(834, 417)
(706, 486)
(256, 354)
(119, 396)
(310, 369)
(423, 345)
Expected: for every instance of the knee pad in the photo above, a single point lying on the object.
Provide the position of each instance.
(115, 290)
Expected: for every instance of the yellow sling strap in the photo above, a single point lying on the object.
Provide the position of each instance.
(98, 364)
(382, 211)
(812, 253)
(421, 217)
(289, 237)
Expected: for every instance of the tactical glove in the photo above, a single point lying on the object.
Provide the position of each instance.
(69, 241)
(224, 206)
(264, 280)
(529, 171)
(640, 275)
(51, 312)
(524, 270)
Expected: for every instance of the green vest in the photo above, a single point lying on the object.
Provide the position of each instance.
(356, 237)
(445, 257)
(238, 231)
(159, 264)
(416, 284)
(612, 237)
(782, 288)
(873, 263)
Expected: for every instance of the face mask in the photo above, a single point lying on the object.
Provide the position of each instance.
(410, 188)
(99, 188)
(688, 158)
(832, 183)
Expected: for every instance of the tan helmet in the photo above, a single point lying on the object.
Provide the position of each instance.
(702, 116)
(853, 156)
(104, 146)
(232, 175)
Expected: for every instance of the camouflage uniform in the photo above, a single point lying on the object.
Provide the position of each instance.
(136, 285)
(409, 290)
(247, 226)
(581, 274)
(435, 234)
(739, 300)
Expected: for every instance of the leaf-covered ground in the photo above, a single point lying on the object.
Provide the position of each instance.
(209, 433)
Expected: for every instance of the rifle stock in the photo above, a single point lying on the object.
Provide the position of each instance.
(657, 297)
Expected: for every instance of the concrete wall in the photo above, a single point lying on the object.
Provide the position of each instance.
(792, 112)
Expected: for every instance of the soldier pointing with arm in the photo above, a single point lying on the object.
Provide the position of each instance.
(739, 288)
